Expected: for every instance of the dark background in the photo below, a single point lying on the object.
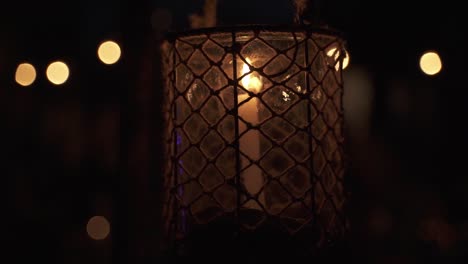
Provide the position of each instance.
(91, 146)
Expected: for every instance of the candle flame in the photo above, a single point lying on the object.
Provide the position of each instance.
(250, 82)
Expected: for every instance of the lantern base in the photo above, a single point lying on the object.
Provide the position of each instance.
(224, 237)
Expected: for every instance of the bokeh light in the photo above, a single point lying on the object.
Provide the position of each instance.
(98, 227)
(57, 72)
(430, 63)
(109, 52)
(25, 74)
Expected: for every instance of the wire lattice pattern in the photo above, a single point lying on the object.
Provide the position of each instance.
(254, 124)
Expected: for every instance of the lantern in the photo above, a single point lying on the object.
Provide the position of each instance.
(254, 140)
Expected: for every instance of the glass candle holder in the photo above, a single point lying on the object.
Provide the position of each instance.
(254, 139)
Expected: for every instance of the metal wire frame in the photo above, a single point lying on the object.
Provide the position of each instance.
(319, 65)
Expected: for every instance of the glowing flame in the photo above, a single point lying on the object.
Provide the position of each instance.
(250, 82)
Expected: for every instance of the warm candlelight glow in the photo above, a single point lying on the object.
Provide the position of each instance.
(333, 52)
(250, 81)
(250, 142)
(254, 138)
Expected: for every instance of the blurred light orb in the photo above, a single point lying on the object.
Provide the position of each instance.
(430, 63)
(98, 228)
(25, 74)
(57, 72)
(336, 54)
(109, 52)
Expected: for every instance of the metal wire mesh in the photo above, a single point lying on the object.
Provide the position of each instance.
(254, 134)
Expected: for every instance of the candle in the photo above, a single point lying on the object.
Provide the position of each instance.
(249, 143)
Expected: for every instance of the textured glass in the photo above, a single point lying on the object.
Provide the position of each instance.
(254, 136)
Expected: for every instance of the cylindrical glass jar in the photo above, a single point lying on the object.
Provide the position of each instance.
(254, 139)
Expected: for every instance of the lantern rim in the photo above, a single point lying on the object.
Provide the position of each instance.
(172, 35)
